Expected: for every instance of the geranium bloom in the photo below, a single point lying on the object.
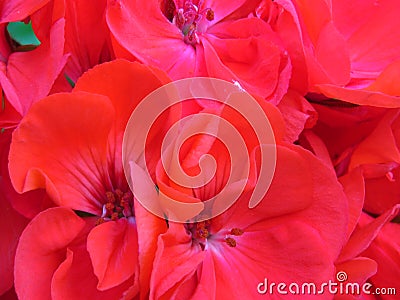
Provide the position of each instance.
(352, 54)
(363, 232)
(203, 38)
(70, 144)
(293, 235)
(16, 210)
(20, 78)
(379, 157)
(68, 47)
(341, 137)
(367, 248)
(12, 224)
(86, 36)
(385, 251)
(339, 51)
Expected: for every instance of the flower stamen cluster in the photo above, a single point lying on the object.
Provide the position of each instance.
(119, 205)
(190, 20)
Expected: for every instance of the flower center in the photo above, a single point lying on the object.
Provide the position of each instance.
(191, 19)
(119, 205)
(200, 233)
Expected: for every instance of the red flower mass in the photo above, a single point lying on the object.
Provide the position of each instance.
(323, 73)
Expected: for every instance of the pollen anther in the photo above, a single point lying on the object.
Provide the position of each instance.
(230, 241)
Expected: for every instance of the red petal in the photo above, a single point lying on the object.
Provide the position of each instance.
(141, 25)
(363, 236)
(223, 9)
(312, 142)
(175, 261)
(311, 194)
(33, 73)
(284, 20)
(358, 270)
(386, 82)
(126, 84)
(379, 147)
(385, 251)
(113, 250)
(85, 36)
(12, 224)
(353, 185)
(361, 97)
(17, 10)
(41, 250)
(61, 145)
(28, 204)
(74, 278)
(356, 123)
(381, 193)
(298, 114)
(236, 50)
(364, 18)
(274, 250)
(149, 227)
(332, 56)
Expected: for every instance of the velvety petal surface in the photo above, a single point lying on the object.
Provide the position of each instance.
(33, 73)
(150, 36)
(41, 249)
(235, 50)
(66, 135)
(12, 224)
(113, 250)
(16, 10)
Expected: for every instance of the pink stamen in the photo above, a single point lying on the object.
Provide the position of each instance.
(190, 20)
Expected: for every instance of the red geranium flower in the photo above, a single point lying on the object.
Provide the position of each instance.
(352, 54)
(26, 77)
(294, 235)
(379, 157)
(203, 38)
(70, 144)
(12, 224)
(385, 251)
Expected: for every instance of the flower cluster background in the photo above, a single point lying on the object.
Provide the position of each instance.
(326, 75)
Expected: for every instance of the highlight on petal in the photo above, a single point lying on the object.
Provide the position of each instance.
(237, 50)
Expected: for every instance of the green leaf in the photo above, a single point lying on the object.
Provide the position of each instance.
(22, 33)
(70, 81)
(84, 214)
